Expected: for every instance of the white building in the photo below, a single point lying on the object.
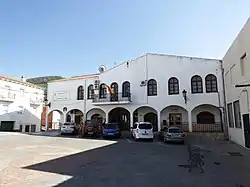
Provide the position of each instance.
(20, 105)
(236, 65)
(149, 88)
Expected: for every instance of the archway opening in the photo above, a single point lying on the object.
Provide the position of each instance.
(121, 116)
(96, 115)
(146, 114)
(75, 116)
(55, 119)
(207, 118)
(174, 115)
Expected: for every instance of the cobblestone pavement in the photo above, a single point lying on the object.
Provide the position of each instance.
(34, 161)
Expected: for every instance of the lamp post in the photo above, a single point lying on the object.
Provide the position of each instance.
(184, 93)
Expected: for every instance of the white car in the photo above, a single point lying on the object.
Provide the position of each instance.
(69, 128)
(142, 130)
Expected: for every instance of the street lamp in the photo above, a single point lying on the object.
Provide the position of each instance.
(184, 93)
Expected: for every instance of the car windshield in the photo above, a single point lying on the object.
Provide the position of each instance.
(111, 126)
(145, 126)
(174, 130)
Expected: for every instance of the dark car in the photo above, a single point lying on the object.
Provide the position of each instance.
(111, 130)
(91, 129)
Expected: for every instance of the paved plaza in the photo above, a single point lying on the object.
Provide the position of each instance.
(34, 161)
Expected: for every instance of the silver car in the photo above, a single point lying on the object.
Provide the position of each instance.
(174, 134)
(69, 128)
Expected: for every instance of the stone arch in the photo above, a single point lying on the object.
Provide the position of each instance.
(55, 119)
(174, 115)
(76, 116)
(207, 118)
(147, 113)
(121, 116)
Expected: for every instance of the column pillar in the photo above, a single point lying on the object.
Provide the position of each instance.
(46, 119)
(190, 121)
(159, 121)
(107, 118)
(131, 119)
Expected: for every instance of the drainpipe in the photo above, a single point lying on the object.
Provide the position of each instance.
(224, 101)
(146, 66)
(85, 100)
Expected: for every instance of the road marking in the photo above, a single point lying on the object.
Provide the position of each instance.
(128, 139)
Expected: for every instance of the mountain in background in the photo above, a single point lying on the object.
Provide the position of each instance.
(42, 81)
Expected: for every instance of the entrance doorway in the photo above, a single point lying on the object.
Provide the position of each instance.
(246, 124)
(175, 119)
(96, 119)
(152, 118)
(120, 116)
(7, 126)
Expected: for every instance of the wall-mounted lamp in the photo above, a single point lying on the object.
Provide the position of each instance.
(184, 93)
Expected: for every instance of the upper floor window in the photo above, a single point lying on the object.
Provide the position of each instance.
(114, 88)
(126, 89)
(211, 83)
(173, 86)
(103, 91)
(196, 84)
(90, 91)
(152, 87)
(80, 93)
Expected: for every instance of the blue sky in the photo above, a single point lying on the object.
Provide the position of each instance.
(67, 38)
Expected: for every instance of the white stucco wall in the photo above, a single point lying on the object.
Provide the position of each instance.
(155, 66)
(20, 103)
(233, 76)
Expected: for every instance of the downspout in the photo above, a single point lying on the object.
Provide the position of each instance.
(146, 65)
(224, 101)
(85, 100)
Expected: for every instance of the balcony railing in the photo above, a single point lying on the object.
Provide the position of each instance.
(216, 127)
(119, 98)
(7, 96)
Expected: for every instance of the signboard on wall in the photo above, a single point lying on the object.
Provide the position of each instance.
(61, 96)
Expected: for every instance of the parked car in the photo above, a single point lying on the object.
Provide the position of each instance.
(142, 130)
(174, 134)
(111, 130)
(91, 129)
(69, 128)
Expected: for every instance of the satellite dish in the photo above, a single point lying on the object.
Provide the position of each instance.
(101, 68)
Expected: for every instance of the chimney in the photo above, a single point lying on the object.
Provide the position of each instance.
(23, 78)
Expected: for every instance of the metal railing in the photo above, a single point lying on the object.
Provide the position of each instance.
(117, 97)
(216, 127)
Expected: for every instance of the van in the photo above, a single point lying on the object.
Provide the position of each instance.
(142, 130)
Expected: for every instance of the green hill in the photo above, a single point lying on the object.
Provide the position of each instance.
(42, 81)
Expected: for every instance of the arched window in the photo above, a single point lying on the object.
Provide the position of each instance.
(152, 87)
(196, 84)
(211, 83)
(126, 89)
(205, 118)
(103, 91)
(114, 91)
(173, 86)
(80, 93)
(90, 91)
(114, 88)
